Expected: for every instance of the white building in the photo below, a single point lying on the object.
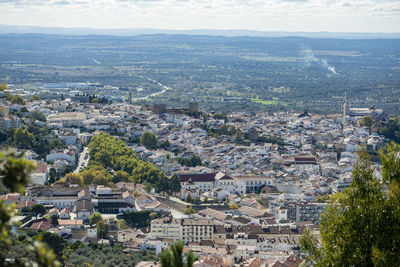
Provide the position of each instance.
(40, 174)
(203, 181)
(255, 183)
(67, 119)
(64, 155)
(233, 186)
(306, 163)
(69, 138)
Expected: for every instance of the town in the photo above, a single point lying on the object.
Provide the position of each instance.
(238, 189)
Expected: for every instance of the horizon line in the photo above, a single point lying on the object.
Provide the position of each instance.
(191, 29)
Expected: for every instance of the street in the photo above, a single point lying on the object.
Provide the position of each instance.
(83, 160)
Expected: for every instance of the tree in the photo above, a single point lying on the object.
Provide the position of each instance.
(174, 256)
(23, 138)
(193, 161)
(148, 140)
(14, 175)
(121, 176)
(148, 188)
(165, 144)
(56, 242)
(309, 243)
(38, 209)
(358, 225)
(121, 224)
(104, 157)
(14, 170)
(391, 164)
(102, 229)
(95, 218)
(137, 219)
(175, 184)
(123, 158)
(34, 98)
(233, 206)
(3, 87)
(52, 175)
(16, 99)
(367, 121)
(391, 129)
(189, 210)
(79, 254)
(54, 220)
(37, 115)
(74, 178)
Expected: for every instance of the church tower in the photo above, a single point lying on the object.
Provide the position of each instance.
(345, 109)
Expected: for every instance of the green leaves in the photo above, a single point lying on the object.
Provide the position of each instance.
(104, 256)
(390, 163)
(189, 210)
(137, 219)
(109, 154)
(309, 243)
(95, 218)
(165, 258)
(14, 175)
(148, 140)
(174, 257)
(15, 171)
(360, 226)
(16, 99)
(102, 229)
(54, 241)
(38, 209)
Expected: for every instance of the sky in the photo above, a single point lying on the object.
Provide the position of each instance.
(267, 15)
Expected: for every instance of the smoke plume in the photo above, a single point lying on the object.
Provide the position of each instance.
(310, 59)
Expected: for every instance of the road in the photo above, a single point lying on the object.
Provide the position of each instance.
(82, 160)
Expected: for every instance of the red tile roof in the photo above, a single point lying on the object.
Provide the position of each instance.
(42, 224)
(41, 167)
(200, 177)
(24, 204)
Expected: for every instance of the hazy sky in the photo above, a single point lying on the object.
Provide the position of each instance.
(270, 15)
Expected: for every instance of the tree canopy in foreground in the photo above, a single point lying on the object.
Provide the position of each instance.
(361, 226)
(14, 175)
(174, 256)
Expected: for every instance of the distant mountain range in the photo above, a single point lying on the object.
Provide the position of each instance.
(6, 29)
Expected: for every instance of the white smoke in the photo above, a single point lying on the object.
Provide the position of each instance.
(310, 58)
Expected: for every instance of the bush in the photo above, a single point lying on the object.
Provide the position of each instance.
(148, 140)
(189, 210)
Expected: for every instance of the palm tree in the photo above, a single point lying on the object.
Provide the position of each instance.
(165, 258)
(174, 257)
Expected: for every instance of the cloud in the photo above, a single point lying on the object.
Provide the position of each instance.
(66, 2)
(273, 15)
(63, 2)
(298, 1)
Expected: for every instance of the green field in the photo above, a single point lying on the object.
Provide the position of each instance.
(272, 102)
